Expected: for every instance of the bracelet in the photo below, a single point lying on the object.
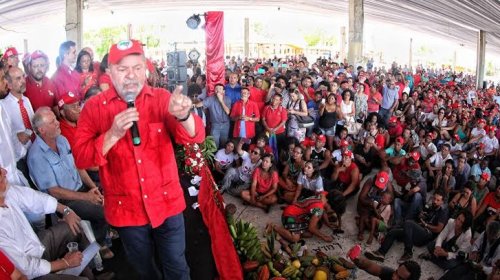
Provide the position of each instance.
(66, 262)
(185, 118)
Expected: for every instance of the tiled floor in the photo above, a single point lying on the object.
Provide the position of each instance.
(259, 218)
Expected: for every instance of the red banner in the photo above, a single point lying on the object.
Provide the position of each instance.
(214, 32)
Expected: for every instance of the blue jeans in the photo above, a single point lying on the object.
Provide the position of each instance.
(411, 234)
(407, 210)
(384, 115)
(220, 132)
(140, 243)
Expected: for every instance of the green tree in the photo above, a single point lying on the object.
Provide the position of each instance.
(102, 39)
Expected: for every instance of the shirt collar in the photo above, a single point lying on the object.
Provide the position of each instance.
(44, 145)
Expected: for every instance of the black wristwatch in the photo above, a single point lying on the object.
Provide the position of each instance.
(184, 119)
(66, 211)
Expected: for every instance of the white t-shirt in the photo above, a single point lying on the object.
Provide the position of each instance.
(225, 160)
(337, 155)
(247, 167)
(489, 144)
(437, 159)
(476, 132)
(315, 185)
(424, 151)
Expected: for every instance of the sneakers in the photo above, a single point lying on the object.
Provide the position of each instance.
(405, 257)
(375, 256)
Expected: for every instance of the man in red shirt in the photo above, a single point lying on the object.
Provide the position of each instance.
(66, 77)
(144, 199)
(11, 56)
(39, 89)
(306, 89)
(274, 118)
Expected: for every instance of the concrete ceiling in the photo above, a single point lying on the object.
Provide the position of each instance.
(455, 20)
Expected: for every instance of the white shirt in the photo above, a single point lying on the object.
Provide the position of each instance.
(426, 151)
(10, 144)
(247, 167)
(462, 242)
(490, 144)
(437, 159)
(17, 239)
(225, 160)
(11, 106)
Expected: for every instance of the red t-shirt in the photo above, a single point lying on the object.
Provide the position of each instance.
(274, 117)
(66, 80)
(105, 79)
(490, 201)
(68, 131)
(396, 130)
(258, 96)
(345, 176)
(6, 267)
(380, 141)
(372, 106)
(399, 172)
(309, 95)
(264, 184)
(41, 95)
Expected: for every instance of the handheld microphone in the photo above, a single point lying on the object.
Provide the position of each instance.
(136, 138)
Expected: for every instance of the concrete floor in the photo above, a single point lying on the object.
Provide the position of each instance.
(259, 218)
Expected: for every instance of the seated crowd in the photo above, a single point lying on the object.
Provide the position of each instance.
(415, 149)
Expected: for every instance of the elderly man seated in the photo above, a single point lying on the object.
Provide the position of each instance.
(52, 166)
(42, 255)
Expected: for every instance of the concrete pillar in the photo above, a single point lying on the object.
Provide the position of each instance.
(342, 43)
(25, 41)
(74, 22)
(410, 60)
(246, 39)
(481, 51)
(129, 31)
(356, 22)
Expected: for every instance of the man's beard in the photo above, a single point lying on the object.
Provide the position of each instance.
(38, 76)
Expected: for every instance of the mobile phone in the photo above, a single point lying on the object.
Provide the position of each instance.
(261, 71)
(247, 141)
(284, 65)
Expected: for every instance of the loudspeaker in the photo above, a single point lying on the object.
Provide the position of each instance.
(178, 73)
(176, 58)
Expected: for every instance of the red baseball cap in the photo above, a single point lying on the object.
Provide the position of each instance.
(431, 135)
(400, 140)
(456, 137)
(124, 48)
(491, 128)
(481, 145)
(415, 155)
(381, 179)
(321, 138)
(483, 121)
(38, 54)
(485, 176)
(68, 98)
(393, 119)
(10, 52)
(347, 154)
(344, 143)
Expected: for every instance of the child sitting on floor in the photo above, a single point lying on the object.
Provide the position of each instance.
(380, 217)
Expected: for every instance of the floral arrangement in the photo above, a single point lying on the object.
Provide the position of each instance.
(192, 157)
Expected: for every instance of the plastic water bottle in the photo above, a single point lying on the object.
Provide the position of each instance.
(98, 262)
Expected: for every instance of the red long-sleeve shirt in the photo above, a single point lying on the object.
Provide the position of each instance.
(141, 184)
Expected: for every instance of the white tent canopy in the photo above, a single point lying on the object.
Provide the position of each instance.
(455, 20)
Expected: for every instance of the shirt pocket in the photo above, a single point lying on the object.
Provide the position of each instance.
(156, 133)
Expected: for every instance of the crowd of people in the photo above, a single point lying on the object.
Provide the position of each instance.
(415, 149)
